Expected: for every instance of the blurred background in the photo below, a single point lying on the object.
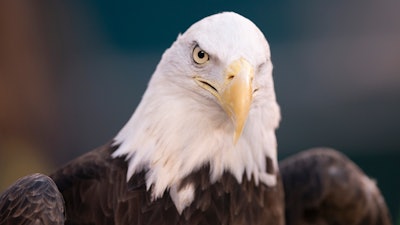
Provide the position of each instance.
(72, 73)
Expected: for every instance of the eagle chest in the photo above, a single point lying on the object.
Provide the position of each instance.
(225, 201)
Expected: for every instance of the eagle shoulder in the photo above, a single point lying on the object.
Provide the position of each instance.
(33, 199)
(323, 186)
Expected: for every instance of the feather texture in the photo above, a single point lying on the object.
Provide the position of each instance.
(33, 199)
(322, 186)
(96, 192)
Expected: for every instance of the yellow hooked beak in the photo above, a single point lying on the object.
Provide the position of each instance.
(235, 93)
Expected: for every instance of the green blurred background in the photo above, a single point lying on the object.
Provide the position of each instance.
(72, 73)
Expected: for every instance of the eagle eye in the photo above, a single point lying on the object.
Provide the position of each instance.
(199, 55)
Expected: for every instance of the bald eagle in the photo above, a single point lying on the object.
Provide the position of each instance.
(199, 149)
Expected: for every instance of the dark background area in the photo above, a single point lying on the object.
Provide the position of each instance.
(72, 73)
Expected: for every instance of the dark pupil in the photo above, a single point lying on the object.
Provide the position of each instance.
(201, 54)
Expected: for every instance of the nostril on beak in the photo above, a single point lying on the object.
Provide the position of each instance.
(231, 76)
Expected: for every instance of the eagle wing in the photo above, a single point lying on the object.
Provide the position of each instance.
(322, 186)
(33, 199)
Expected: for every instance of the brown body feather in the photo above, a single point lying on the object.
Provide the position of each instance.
(322, 186)
(34, 200)
(96, 192)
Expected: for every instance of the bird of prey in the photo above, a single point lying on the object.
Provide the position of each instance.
(199, 149)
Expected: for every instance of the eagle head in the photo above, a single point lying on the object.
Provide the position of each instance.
(210, 101)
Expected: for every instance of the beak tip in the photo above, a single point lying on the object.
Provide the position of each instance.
(237, 134)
